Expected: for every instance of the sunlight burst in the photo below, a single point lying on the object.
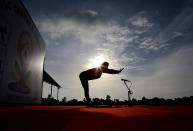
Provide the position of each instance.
(96, 61)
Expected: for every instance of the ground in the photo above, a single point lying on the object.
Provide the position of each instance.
(76, 118)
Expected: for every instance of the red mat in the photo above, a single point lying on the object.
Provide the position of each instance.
(76, 118)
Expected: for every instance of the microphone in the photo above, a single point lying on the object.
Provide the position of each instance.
(125, 80)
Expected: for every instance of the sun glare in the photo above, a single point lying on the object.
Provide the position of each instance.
(96, 62)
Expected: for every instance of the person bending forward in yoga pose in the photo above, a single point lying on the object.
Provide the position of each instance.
(95, 73)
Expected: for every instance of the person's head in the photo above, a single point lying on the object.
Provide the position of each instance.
(105, 64)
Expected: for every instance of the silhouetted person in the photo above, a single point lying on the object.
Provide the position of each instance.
(92, 74)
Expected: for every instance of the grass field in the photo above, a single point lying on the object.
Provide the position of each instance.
(76, 118)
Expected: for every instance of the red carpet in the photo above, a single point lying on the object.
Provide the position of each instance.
(76, 118)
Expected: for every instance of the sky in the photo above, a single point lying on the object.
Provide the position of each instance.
(151, 39)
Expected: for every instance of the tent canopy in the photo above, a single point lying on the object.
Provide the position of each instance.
(47, 78)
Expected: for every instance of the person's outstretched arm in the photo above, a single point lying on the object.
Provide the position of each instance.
(111, 71)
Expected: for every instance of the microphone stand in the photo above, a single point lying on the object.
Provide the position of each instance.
(129, 91)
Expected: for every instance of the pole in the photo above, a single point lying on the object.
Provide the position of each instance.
(57, 93)
(129, 100)
(51, 90)
(128, 96)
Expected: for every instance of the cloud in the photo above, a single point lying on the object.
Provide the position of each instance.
(176, 28)
(84, 25)
(170, 76)
(140, 20)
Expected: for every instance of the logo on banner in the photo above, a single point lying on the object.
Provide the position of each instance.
(22, 64)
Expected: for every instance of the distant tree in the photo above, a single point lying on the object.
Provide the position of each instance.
(49, 96)
(116, 101)
(134, 101)
(84, 100)
(108, 99)
(64, 100)
(144, 98)
(144, 101)
(73, 102)
(96, 101)
(125, 102)
(99, 101)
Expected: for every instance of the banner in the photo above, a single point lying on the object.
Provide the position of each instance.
(22, 52)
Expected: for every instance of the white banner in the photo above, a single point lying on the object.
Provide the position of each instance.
(22, 52)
